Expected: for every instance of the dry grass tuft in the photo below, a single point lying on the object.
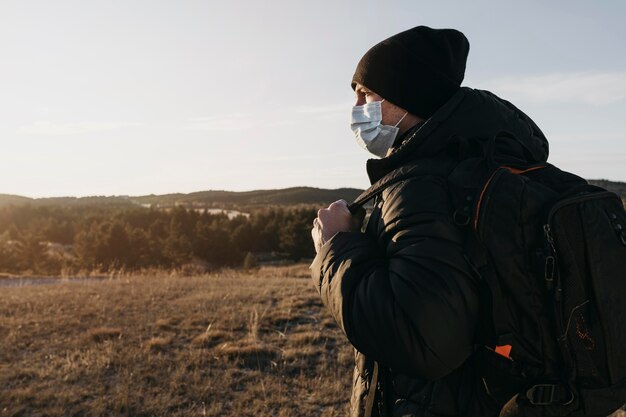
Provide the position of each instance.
(249, 355)
(306, 338)
(101, 334)
(169, 324)
(163, 324)
(210, 339)
(158, 344)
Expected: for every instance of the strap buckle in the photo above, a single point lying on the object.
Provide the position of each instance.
(541, 394)
(461, 218)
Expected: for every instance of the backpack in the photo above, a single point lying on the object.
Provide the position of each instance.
(549, 253)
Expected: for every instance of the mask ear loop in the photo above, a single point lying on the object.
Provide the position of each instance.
(400, 121)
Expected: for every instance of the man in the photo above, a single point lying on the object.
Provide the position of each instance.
(403, 291)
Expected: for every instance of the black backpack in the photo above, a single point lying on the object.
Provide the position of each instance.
(549, 251)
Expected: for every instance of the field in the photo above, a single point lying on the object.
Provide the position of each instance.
(255, 343)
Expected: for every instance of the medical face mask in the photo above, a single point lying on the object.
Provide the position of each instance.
(369, 132)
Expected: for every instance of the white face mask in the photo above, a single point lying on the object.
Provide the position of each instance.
(369, 132)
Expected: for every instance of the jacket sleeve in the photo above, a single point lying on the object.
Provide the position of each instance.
(403, 293)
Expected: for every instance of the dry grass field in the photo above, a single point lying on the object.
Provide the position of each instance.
(255, 343)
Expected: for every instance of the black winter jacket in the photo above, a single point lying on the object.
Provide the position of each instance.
(403, 292)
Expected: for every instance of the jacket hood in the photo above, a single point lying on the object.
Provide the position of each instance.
(470, 116)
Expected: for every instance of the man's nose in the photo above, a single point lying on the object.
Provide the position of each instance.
(360, 101)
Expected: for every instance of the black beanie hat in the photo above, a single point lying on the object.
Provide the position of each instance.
(418, 69)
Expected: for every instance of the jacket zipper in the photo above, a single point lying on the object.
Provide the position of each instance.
(577, 199)
(551, 265)
(484, 200)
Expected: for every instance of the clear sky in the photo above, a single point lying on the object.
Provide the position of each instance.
(135, 97)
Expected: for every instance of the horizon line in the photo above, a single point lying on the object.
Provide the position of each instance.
(214, 190)
(177, 192)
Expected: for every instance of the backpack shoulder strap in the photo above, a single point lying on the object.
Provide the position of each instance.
(400, 174)
(433, 167)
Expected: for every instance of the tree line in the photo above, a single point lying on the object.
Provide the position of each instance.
(53, 240)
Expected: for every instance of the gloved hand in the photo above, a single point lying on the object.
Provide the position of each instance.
(334, 219)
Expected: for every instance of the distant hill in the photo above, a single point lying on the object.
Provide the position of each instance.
(219, 198)
(617, 187)
(9, 199)
(286, 196)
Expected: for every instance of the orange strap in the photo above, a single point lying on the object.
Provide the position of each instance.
(515, 171)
